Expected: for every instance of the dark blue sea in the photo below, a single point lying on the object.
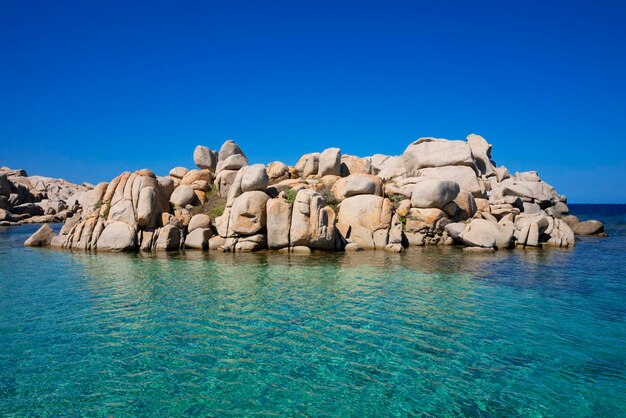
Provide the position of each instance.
(431, 332)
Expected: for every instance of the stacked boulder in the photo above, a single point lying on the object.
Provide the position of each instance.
(37, 199)
(437, 192)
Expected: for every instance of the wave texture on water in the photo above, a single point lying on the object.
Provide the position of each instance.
(434, 331)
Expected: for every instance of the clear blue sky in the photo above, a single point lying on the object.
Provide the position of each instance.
(89, 89)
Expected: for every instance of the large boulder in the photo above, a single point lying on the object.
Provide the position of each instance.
(356, 184)
(199, 220)
(311, 167)
(302, 162)
(233, 162)
(388, 168)
(589, 228)
(248, 214)
(224, 181)
(248, 179)
(434, 152)
(464, 176)
(229, 148)
(178, 172)
(351, 164)
(481, 151)
(433, 193)
(423, 220)
(330, 162)
(254, 177)
(487, 234)
(41, 238)
(277, 171)
(561, 235)
(278, 223)
(198, 239)
(537, 191)
(146, 205)
(312, 222)
(117, 236)
(183, 195)
(205, 158)
(168, 239)
(365, 220)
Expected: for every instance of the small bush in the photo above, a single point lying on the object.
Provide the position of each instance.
(396, 198)
(214, 205)
(104, 212)
(290, 196)
(329, 197)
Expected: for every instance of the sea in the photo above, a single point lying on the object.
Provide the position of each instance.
(434, 332)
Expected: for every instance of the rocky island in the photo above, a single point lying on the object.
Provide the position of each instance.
(438, 192)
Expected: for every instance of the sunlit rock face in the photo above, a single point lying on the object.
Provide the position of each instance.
(437, 192)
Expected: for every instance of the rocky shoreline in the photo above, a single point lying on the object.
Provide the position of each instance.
(438, 192)
(37, 199)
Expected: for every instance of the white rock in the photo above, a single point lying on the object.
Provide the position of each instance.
(433, 193)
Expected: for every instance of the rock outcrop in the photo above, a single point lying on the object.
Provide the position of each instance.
(37, 199)
(437, 192)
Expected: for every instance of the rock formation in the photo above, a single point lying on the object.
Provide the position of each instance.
(37, 199)
(438, 192)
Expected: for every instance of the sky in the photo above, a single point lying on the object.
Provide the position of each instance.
(91, 89)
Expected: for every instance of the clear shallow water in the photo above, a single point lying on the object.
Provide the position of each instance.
(431, 332)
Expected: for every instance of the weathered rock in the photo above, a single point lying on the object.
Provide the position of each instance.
(200, 220)
(204, 158)
(248, 214)
(178, 172)
(483, 233)
(277, 171)
(571, 220)
(312, 223)
(168, 239)
(466, 204)
(357, 184)
(311, 167)
(146, 206)
(389, 168)
(216, 242)
(433, 193)
(423, 220)
(351, 164)
(589, 228)
(278, 223)
(464, 176)
(455, 229)
(229, 148)
(330, 162)
(41, 238)
(233, 162)
(117, 236)
(198, 238)
(254, 177)
(433, 152)
(481, 151)
(224, 181)
(183, 195)
(365, 220)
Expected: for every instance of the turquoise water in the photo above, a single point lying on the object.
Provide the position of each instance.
(433, 332)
